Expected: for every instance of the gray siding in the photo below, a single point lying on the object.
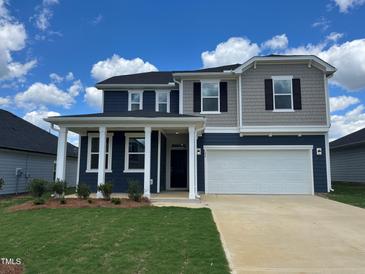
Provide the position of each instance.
(34, 166)
(225, 119)
(348, 164)
(313, 96)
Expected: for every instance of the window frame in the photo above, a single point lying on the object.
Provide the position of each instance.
(128, 136)
(157, 103)
(202, 82)
(109, 153)
(287, 78)
(130, 92)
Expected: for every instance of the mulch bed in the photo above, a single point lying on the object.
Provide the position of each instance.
(79, 203)
(10, 269)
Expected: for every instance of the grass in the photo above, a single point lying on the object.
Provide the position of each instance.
(349, 193)
(110, 240)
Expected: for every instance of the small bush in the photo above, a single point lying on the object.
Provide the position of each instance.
(38, 201)
(62, 201)
(2, 183)
(116, 201)
(38, 187)
(106, 190)
(90, 201)
(134, 191)
(83, 191)
(59, 187)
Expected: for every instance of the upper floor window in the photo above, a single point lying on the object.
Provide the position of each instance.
(93, 153)
(283, 92)
(210, 97)
(134, 152)
(163, 101)
(135, 100)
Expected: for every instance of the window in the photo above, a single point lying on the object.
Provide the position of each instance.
(93, 153)
(162, 101)
(134, 152)
(283, 92)
(210, 97)
(135, 100)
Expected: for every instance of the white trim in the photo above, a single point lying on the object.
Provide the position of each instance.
(221, 130)
(147, 162)
(88, 158)
(210, 81)
(328, 111)
(129, 135)
(101, 163)
(158, 161)
(328, 163)
(130, 92)
(157, 103)
(283, 78)
(102, 101)
(78, 162)
(240, 108)
(260, 147)
(117, 87)
(192, 151)
(181, 98)
(61, 154)
(60, 119)
(282, 129)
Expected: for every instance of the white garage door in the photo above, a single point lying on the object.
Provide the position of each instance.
(252, 170)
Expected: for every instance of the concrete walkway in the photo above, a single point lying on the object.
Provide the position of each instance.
(290, 234)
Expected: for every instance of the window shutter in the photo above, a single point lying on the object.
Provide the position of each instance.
(197, 96)
(223, 96)
(268, 95)
(297, 94)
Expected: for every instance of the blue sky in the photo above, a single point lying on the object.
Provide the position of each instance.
(53, 52)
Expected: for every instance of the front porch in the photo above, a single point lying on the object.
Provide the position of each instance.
(158, 153)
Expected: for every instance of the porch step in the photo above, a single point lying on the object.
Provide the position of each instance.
(175, 200)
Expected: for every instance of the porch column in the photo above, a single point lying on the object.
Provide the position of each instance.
(101, 166)
(192, 152)
(147, 162)
(61, 154)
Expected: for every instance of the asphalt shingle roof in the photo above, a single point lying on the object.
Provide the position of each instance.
(18, 134)
(352, 139)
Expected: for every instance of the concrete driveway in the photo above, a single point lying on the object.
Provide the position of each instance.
(290, 234)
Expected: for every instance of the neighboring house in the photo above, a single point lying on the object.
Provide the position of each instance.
(260, 127)
(28, 152)
(348, 158)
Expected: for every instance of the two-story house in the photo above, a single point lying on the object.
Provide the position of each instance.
(260, 127)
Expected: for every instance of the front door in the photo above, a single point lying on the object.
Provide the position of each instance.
(179, 175)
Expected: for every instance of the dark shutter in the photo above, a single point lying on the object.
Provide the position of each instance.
(223, 96)
(197, 97)
(268, 95)
(297, 94)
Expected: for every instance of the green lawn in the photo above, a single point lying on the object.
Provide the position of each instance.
(111, 240)
(349, 193)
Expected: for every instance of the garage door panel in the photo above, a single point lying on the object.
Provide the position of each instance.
(258, 171)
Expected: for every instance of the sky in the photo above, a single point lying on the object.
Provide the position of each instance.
(52, 52)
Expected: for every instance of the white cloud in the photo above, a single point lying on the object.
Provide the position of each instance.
(351, 121)
(93, 97)
(345, 5)
(41, 95)
(44, 14)
(277, 42)
(36, 118)
(342, 102)
(70, 76)
(234, 50)
(117, 65)
(56, 78)
(334, 36)
(13, 38)
(75, 88)
(321, 23)
(5, 101)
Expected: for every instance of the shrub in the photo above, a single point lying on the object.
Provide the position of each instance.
(38, 201)
(83, 191)
(38, 187)
(134, 190)
(2, 183)
(90, 201)
(116, 201)
(63, 201)
(59, 187)
(106, 190)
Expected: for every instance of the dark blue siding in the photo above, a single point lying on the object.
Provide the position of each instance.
(117, 177)
(149, 100)
(174, 101)
(319, 162)
(115, 101)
